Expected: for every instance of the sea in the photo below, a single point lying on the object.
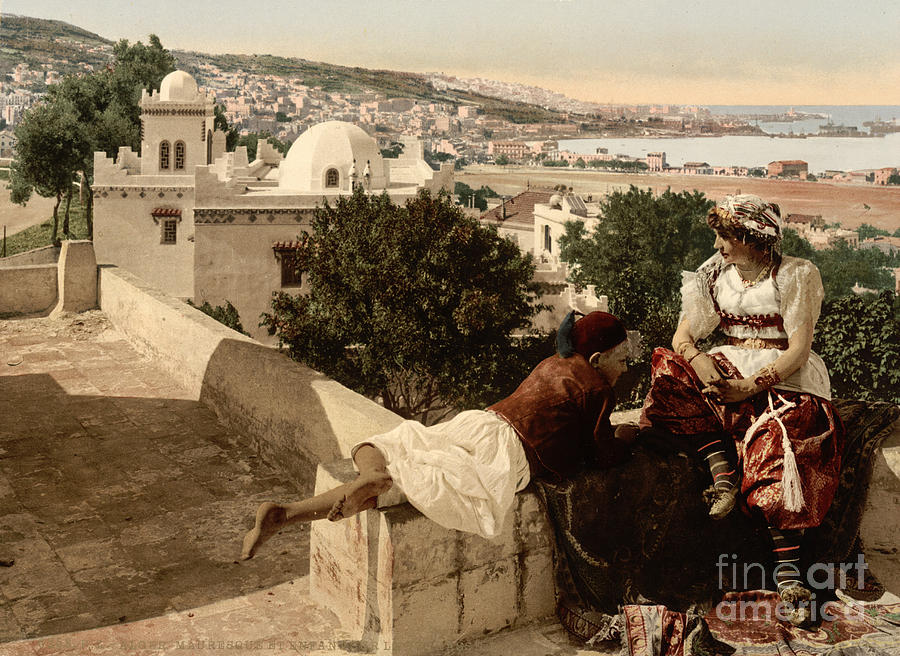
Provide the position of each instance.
(821, 153)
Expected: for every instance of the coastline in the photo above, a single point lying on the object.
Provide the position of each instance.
(842, 202)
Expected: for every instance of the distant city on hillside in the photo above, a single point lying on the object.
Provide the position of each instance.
(465, 120)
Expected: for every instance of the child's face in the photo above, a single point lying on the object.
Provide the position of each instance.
(612, 363)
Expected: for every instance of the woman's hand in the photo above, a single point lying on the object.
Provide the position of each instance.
(727, 390)
(705, 368)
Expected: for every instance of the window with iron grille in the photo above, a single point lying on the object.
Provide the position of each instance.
(179, 155)
(169, 231)
(164, 155)
(332, 178)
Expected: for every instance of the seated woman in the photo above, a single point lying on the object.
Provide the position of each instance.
(764, 389)
(464, 473)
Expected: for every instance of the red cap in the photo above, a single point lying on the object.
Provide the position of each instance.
(597, 332)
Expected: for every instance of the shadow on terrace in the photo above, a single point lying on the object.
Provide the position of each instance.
(121, 498)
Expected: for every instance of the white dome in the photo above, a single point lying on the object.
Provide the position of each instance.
(178, 86)
(326, 146)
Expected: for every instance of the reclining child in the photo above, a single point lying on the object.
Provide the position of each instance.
(464, 473)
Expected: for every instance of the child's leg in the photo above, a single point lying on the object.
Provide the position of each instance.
(343, 501)
(788, 578)
(722, 496)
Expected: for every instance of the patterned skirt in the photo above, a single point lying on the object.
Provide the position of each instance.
(675, 404)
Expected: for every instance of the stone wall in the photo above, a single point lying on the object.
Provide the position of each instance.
(293, 416)
(406, 585)
(879, 529)
(27, 289)
(45, 255)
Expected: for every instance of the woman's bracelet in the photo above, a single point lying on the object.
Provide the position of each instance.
(767, 377)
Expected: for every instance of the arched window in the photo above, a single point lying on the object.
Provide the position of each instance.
(164, 155)
(209, 140)
(548, 240)
(179, 155)
(332, 178)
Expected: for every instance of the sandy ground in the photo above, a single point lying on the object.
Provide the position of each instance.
(17, 218)
(835, 202)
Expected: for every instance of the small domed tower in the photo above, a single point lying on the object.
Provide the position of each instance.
(177, 128)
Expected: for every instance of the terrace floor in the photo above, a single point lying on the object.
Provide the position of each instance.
(122, 506)
(120, 497)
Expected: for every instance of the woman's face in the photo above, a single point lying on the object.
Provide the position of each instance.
(736, 252)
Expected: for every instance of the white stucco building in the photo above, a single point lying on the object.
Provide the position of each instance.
(203, 224)
(550, 223)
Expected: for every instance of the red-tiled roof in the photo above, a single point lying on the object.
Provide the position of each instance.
(519, 208)
(286, 245)
(165, 211)
(792, 162)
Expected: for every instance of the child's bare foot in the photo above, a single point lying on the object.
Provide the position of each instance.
(361, 496)
(269, 519)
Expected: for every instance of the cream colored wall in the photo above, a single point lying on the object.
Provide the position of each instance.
(45, 255)
(236, 263)
(126, 235)
(291, 415)
(27, 289)
(172, 129)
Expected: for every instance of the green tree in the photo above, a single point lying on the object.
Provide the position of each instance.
(226, 315)
(220, 123)
(49, 150)
(465, 193)
(842, 267)
(635, 255)
(859, 340)
(281, 117)
(106, 108)
(579, 163)
(251, 141)
(412, 305)
(894, 179)
(795, 245)
(867, 231)
(501, 160)
(396, 149)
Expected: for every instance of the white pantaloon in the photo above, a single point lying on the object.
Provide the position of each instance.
(462, 474)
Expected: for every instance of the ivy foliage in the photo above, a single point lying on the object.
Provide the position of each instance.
(414, 305)
(859, 339)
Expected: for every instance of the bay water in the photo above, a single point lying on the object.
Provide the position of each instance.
(821, 153)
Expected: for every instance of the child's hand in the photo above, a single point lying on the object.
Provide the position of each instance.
(626, 432)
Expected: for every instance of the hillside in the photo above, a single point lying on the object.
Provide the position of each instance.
(38, 41)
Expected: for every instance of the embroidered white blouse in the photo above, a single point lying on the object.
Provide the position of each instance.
(794, 293)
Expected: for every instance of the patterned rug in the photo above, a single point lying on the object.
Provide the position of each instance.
(638, 557)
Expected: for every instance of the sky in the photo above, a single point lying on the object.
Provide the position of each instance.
(708, 52)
